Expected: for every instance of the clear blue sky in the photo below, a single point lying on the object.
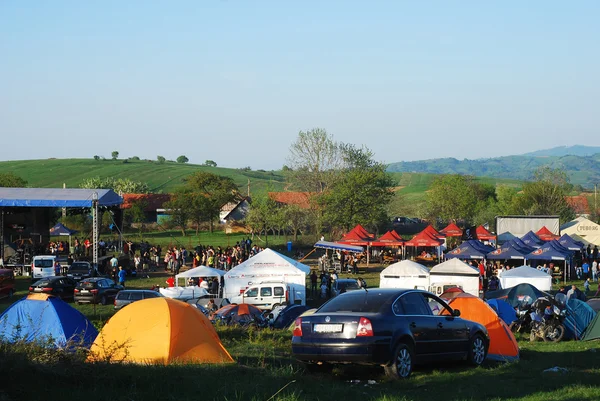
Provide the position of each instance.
(234, 81)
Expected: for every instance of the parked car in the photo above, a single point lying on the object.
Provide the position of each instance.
(59, 286)
(7, 283)
(80, 270)
(125, 297)
(96, 290)
(395, 328)
(42, 266)
(340, 286)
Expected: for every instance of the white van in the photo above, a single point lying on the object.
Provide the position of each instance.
(265, 295)
(42, 266)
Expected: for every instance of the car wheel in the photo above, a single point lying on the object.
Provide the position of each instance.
(274, 306)
(402, 362)
(477, 350)
(104, 300)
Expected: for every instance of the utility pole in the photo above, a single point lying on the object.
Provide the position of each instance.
(95, 229)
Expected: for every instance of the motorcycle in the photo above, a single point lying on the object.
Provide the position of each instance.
(547, 319)
(523, 322)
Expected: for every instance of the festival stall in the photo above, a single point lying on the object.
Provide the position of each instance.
(454, 273)
(526, 275)
(405, 274)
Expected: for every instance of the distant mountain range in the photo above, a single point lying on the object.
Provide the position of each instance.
(581, 163)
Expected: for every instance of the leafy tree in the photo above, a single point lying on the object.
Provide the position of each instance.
(119, 185)
(179, 209)
(160, 159)
(135, 158)
(210, 163)
(360, 192)
(96, 157)
(115, 154)
(296, 219)
(314, 158)
(508, 201)
(182, 159)
(451, 198)
(136, 214)
(260, 216)
(545, 195)
(10, 180)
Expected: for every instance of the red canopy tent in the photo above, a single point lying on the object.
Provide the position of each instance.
(483, 234)
(545, 234)
(362, 232)
(391, 238)
(424, 239)
(452, 230)
(435, 233)
(354, 238)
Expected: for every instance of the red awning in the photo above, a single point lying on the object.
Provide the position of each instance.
(362, 232)
(452, 230)
(435, 233)
(391, 238)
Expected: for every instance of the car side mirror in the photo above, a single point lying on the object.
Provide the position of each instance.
(455, 312)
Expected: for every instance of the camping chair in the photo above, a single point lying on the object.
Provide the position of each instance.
(337, 267)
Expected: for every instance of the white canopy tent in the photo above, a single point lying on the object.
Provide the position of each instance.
(582, 227)
(454, 273)
(268, 265)
(526, 275)
(405, 274)
(200, 271)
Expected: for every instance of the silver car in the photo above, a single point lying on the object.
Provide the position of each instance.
(125, 297)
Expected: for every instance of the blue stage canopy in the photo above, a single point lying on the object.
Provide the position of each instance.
(338, 247)
(57, 197)
(60, 229)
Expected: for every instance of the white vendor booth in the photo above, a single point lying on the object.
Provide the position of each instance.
(526, 275)
(268, 266)
(187, 293)
(405, 274)
(454, 273)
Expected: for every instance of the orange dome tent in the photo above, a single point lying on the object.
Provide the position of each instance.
(159, 331)
(503, 345)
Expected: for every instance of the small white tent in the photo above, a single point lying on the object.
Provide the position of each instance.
(268, 265)
(526, 275)
(405, 274)
(454, 273)
(200, 271)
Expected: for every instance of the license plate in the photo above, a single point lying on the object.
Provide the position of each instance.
(328, 328)
(84, 291)
(37, 290)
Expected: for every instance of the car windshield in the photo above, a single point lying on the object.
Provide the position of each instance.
(79, 266)
(87, 284)
(357, 301)
(43, 263)
(349, 285)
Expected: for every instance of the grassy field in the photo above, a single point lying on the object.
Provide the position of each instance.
(266, 370)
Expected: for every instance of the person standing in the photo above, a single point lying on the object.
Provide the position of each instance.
(313, 283)
(122, 274)
(586, 270)
(595, 270)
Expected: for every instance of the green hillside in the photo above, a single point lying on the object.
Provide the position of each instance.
(165, 177)
(582, 170)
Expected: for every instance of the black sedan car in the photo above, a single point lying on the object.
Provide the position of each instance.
(395, 328)
(97, 290)
(59, 286)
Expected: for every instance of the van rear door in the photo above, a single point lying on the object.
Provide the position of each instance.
(43, 267)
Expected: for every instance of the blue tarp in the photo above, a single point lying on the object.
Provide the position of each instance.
(509, 250)
(469, 250)
(570, 243)
(60, 229)
(579, 316)
(336, 246)
(506, 312)
(50, 322)
(551, 250)
(532, 240)
(57, 197)
(521, 293)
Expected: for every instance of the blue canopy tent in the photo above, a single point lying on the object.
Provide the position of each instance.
(552, 250)
(532, 240)
(480, 246)
(523, 246)
(60, 229)
(570, 243)
(509, 250)
(466, 250)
